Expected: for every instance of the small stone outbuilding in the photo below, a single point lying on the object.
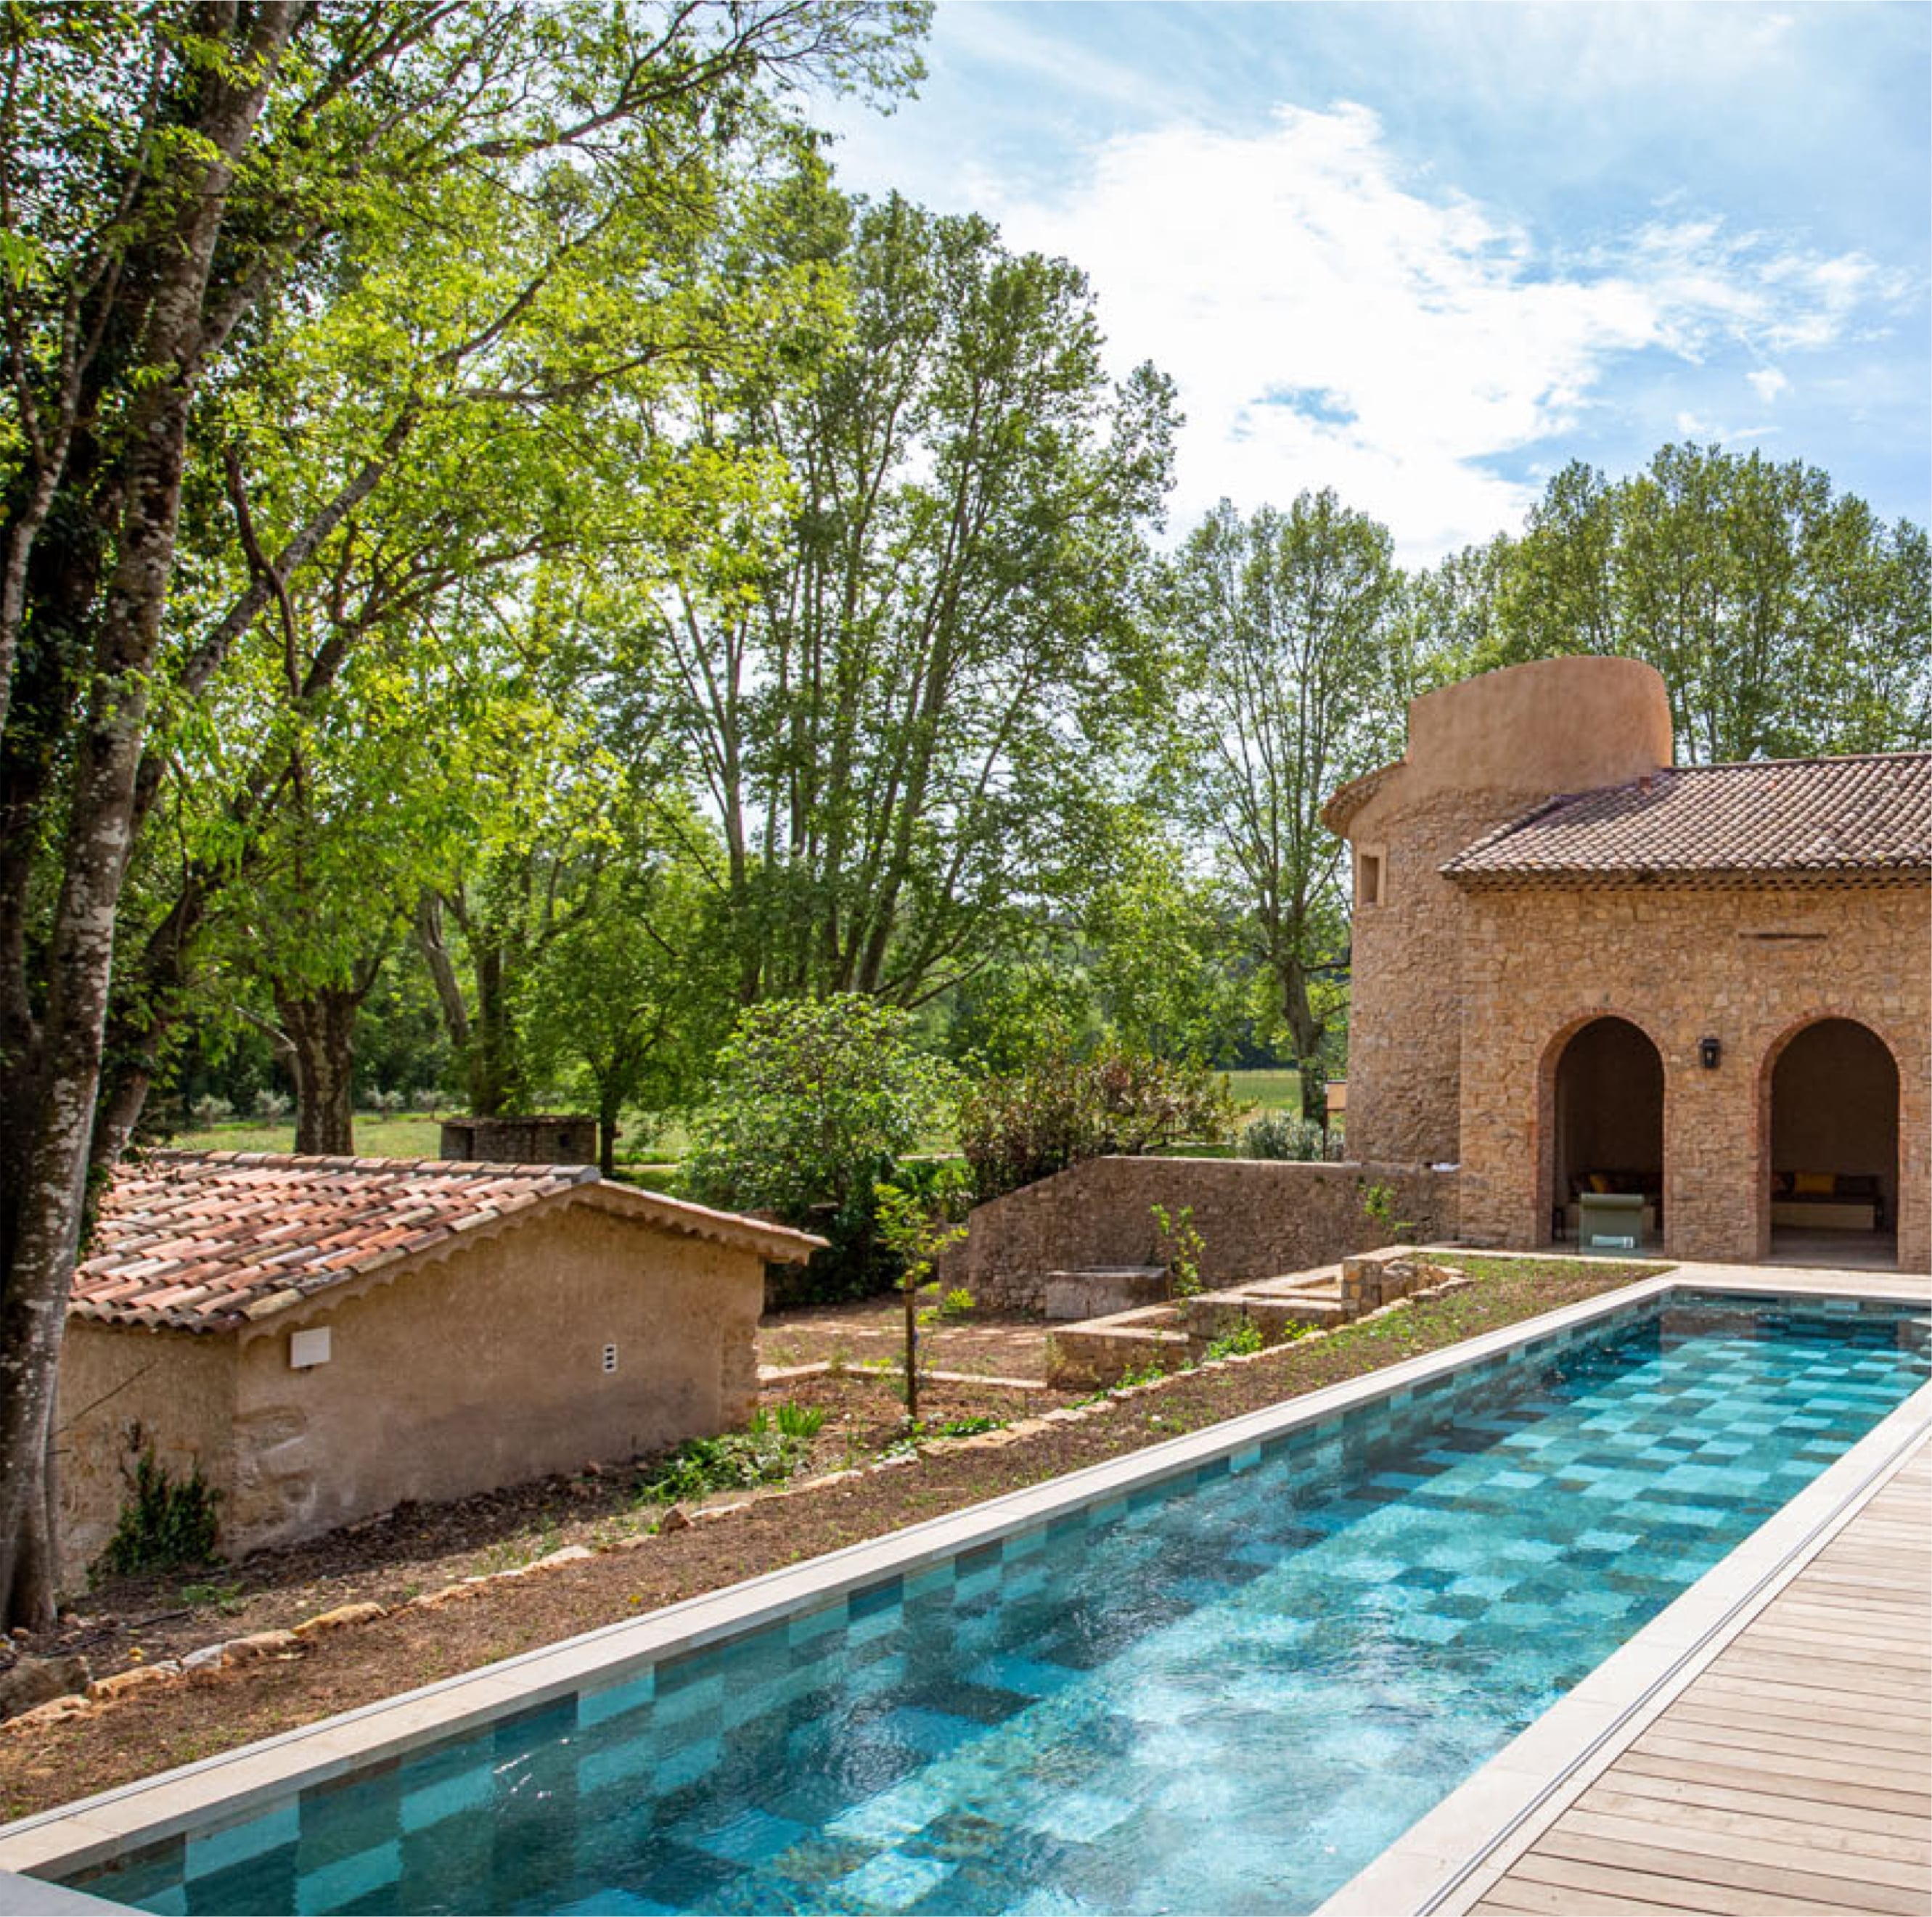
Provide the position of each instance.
(326, 1338)
(1579, 968)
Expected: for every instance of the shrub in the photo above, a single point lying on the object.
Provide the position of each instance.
(814, 1102)
(1180, 1248)
(1243, 1341)
(799, 1421)
(209, 1110)
(1026, 1125)
(271, 1105)
(763, 1453)
(166, 1524)
(1287, 1135)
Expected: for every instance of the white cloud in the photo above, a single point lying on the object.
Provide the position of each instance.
(1767, 382)
(1328, 323)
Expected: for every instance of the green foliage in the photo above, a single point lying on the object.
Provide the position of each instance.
(1058, 1110)
(915, 1223)
(1243, 1341)
(1139, 1374)
(813, 1104)
(1292, 667)
(1785, 618)
(1287, 1135)
(799, 1421)
(763, 1453)
(1379, 1207)
(1179, 1248)
(166, 1524)
(936, 595)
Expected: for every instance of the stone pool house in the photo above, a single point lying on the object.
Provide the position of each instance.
(1579, 968)
(325, 1337)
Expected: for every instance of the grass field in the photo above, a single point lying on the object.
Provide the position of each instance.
(411, 1135)
(1279, 1090)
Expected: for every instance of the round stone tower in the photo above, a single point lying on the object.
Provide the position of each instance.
(1480, 755)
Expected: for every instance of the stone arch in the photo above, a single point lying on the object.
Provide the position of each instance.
(1845, 1110)
(1640, 1122)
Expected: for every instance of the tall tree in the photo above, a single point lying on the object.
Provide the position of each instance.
(897, 680)
(165, 175)
(1292, 669)
(1784, 617)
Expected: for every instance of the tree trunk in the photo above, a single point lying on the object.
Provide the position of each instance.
(42, 1224)
(320, 1027)
(610, 1109)
(489, 1066)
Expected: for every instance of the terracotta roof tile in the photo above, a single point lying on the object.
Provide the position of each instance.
(207, 1240)
(1865, 815)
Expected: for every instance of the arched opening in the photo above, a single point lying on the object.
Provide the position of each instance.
(1607, 1133)
(1834, 1147)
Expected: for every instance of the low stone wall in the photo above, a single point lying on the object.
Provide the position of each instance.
(1258, 1217)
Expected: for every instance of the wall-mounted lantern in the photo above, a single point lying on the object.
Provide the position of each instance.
(1710, 1052)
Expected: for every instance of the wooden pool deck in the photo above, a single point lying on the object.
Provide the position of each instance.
(1792, 1777)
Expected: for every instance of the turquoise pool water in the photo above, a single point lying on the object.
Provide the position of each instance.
(1226, 1692)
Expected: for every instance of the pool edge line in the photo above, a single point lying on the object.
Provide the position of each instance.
(1421, 1875)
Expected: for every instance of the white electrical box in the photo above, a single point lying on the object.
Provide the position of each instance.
(307, 1348)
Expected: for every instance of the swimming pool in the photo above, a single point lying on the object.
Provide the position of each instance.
(1224, 1691)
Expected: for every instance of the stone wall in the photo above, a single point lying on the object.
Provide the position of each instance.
(1405, 1027)
(1480, 753)
(1749, 966)
(1259, 1218)
(565, 1138)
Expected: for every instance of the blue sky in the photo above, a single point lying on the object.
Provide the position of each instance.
(1428, 253)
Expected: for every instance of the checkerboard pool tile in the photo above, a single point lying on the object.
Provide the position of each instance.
(1224, 1692)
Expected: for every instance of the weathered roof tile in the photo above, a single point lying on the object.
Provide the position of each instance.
(1860, 817)
(205, 1240)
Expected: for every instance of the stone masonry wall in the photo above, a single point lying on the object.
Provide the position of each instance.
(1259, 1218)
(1405, 1025)
(1749, 966)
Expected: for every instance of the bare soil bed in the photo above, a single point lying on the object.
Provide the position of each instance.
(412, 1550)
(871, 1331)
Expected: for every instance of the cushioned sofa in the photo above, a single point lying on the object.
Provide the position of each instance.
(1828, 1201)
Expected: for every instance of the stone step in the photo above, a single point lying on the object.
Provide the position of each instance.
(1101, 1291)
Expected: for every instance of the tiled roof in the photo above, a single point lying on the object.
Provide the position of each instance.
(1863, 816)
(207, 1240)
(1345, 801)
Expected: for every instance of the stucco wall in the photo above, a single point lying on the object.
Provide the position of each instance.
(1479, 754)
(483, 1370)
(1749, 966)
(121, 1389)
(487, 1368)
(1259, 1218)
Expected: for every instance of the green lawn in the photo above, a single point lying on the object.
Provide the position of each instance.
(1277, 1090)
(401, 1136)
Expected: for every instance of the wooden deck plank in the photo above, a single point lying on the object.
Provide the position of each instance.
(1756, 1846)
(1675, 1814)
(1719, 1900)
(1732, 1717)
(1805, 1811)
(1710, 1870)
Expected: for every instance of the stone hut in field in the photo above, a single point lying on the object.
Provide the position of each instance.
(325, 1337)
(1578, 968)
